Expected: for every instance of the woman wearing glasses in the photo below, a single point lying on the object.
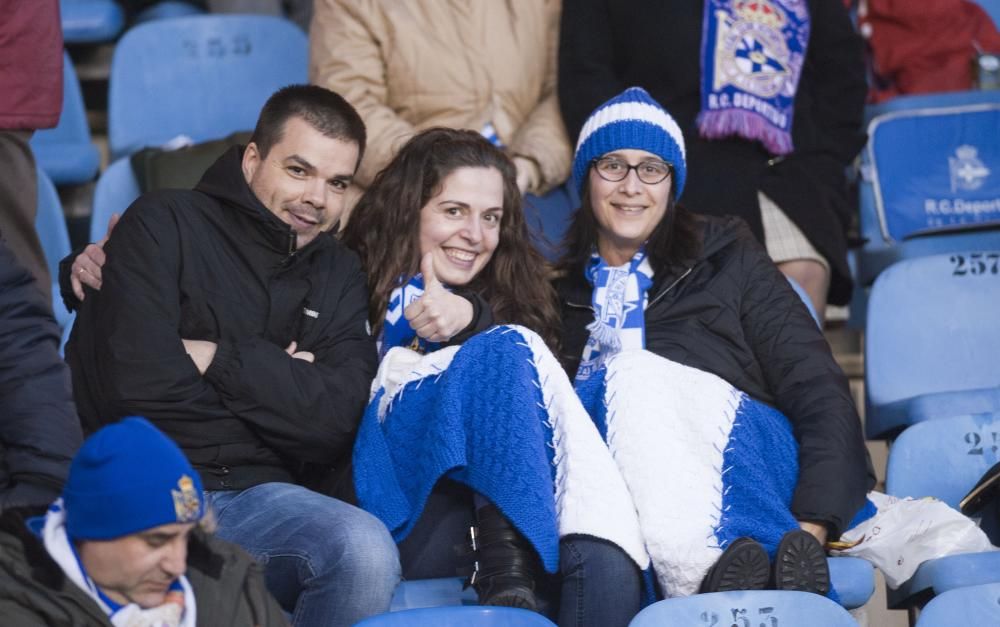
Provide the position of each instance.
(730, 421)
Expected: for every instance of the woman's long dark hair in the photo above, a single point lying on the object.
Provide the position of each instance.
(675, 239)
(384, 229)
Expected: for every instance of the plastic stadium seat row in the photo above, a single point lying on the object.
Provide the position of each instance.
(66, 152)
(944, 458)
(931, 341)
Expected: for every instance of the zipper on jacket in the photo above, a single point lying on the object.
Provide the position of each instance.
(650, 303)
(291, 242)
(669, 287)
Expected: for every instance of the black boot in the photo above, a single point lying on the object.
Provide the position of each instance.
(800, 564)
(505, 563)
(742, 566)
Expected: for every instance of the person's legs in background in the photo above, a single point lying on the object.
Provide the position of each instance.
(794, 255)
(19, 204)
(814, 278)
(327, 562)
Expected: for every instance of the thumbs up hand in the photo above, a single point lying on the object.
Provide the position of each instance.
(438, 314)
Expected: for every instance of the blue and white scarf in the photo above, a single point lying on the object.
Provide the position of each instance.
(396, 329)
(619, 300)
(752, 53)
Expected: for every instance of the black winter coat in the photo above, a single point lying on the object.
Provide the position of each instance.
(608, 45)
(215, 264)
(39, 428)
(228, 585)
(732, 313)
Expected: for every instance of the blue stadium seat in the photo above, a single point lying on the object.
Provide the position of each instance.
(65, 333)
(746, 609)
(204, 76)
(420, 593)
(930, 178)
(852, 577)
(50, 222)
(66, 152)
(459, 617)
(944, 458)
(167, 10)
(975, 605)
(931, 340)
(90, 21)
(993, 8)
(801, 291)
(549, 216)
(116, 190)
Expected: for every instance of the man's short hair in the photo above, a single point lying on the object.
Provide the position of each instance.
(322, 109)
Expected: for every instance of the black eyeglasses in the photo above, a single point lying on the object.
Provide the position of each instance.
(614, 170)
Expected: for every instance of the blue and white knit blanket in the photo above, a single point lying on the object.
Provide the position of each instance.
(704, 463)
(499, 415)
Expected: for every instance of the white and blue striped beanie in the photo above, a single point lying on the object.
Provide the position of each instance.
(632, 119)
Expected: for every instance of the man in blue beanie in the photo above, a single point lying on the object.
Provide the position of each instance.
(124, 546)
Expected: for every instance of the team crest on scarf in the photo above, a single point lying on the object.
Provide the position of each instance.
(619, 301)
(187, 505)
(752, 56)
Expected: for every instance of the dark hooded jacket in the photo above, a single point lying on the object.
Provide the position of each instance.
(729, 311)
(228, 585)
(39, 428)
(215, 264)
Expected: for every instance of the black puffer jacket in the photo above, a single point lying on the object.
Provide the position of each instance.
(215, 264)
(228, 585)
(39, 428)
(730, 312)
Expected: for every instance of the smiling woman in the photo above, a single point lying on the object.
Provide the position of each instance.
(471, 423)
(699, 361)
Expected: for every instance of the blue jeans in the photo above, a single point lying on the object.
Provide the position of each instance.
(600, 584)
(326, 562)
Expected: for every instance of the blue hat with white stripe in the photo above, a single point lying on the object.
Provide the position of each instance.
(632, 119)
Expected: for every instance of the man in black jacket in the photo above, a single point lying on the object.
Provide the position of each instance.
(231, 317)
(39, 429)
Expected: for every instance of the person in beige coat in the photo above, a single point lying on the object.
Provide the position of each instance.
(488, 65)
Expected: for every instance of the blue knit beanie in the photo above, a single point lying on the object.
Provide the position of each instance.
(129, 477)
(632, 119)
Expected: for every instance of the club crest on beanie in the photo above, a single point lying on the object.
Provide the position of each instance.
(631, 120)
(126, 478)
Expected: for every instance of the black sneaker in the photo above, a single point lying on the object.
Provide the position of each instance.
(800, 564)
(742, 566)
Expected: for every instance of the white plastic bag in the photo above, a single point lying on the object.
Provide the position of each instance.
(907, 532)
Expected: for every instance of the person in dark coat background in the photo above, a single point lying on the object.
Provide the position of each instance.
(39, 428)
(607, 46)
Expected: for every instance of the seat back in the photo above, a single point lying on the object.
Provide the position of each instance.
(931, 327)
(973, 605)
(203, 76)
(943, 458)
(50, 223)
(116, 190)
(484, 616)
(748, 608)
(90, 21)
(931, 169)
(992, 8)
(66, 152)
